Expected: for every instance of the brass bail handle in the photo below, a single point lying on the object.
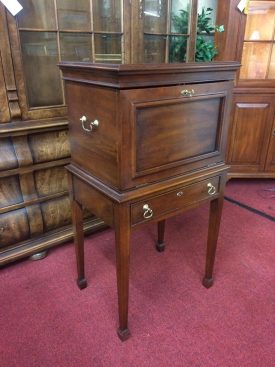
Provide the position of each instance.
(148, 212)
(211, 189)
(93, 125)
(187, 92)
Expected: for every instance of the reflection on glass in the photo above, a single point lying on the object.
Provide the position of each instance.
(206, 27)
(255, 60)
(260, 21)
(177, 49)
(271, 71)
(208, 4)
(75, 47)
(155, 16)
(108, 48)
(180, 16)
(74, 15)
(107, 15)
(40, 58)
(154, 49)
(38, 14)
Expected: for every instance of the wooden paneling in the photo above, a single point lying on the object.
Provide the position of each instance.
(170, 122)
(250, 134)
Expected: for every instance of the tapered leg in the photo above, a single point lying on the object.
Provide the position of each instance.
(213, 233)
(160, 246)
(122, 234)
(77, 219)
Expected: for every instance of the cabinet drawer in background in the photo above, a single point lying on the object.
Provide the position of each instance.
(174, 200)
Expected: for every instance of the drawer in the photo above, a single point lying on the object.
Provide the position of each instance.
(174, 200)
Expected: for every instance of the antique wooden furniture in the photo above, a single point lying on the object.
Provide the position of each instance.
(252, 132)
(33, 106)
(34, 205)
(147, 142)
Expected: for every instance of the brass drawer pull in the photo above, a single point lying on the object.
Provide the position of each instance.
(187, 93)
(148, 212)
(211, 189)
(93, 125)
(179, 194)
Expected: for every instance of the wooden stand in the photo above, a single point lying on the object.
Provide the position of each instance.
(120, 219)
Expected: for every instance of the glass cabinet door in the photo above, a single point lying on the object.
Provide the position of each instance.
(66, 30)
(206, 27)
(176, 30)
(258, 58)
(166, 30)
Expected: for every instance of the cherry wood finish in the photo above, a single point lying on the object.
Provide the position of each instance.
(251, 137)
(155, 150)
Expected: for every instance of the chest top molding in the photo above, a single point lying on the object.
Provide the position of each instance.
(125, 76)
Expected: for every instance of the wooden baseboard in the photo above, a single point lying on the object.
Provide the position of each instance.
(45, 242)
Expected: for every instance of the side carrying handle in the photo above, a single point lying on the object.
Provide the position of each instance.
(92, 127)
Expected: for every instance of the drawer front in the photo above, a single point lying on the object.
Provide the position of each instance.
(173, 201)
(176, 129)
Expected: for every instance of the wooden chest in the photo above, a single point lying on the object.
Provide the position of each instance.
(154, 122)
(147, 142)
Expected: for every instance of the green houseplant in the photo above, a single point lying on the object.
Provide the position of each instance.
(205, 47)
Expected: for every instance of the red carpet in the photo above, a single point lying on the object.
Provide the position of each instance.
(46, 321)
(257, 194)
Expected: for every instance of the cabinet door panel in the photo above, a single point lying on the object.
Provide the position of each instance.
(251, 128)
(270, 163)
(173, 132)
(172, 126)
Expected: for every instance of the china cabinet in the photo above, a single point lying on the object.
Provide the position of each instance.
(34, 204)
(252, 146)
